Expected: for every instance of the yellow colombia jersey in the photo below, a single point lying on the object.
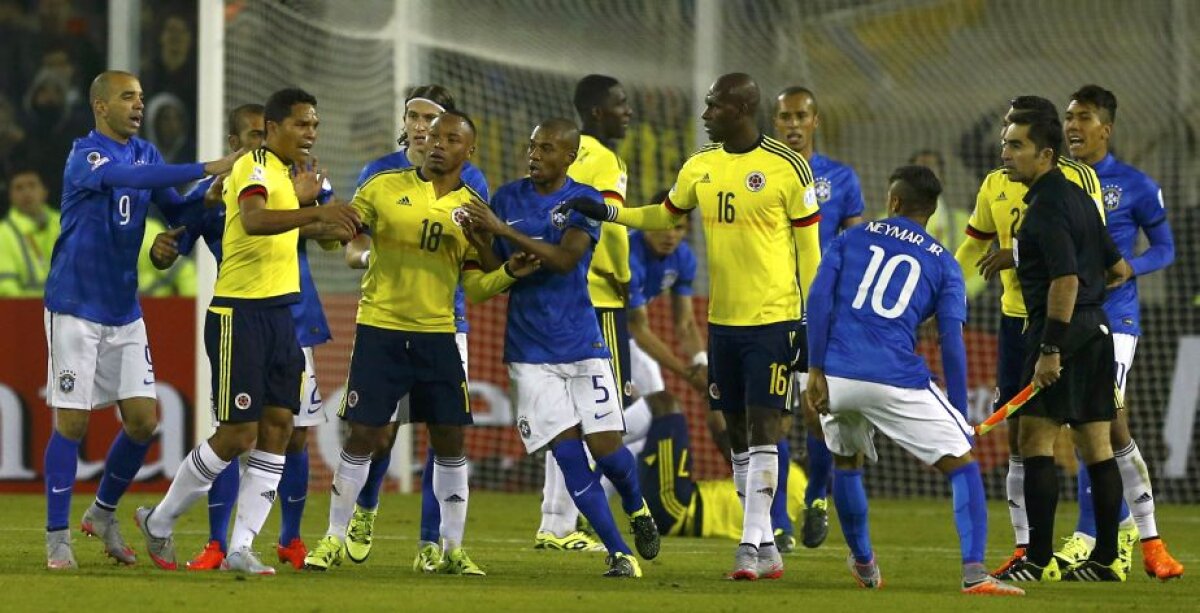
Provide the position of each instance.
(601, 168)
(418, 250)
(721, 509)
(999, 208)
(749, 203)
(258, 267)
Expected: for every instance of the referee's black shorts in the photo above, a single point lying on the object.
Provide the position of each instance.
(1086, 391)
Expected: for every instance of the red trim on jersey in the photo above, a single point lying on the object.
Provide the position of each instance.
(671, 207)
(804, 222)
(471, 265)
(613, 195)
(252, 190)
(980, 234)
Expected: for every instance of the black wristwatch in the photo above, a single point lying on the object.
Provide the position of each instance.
(1046, 349)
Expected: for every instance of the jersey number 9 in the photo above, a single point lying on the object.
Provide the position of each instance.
(124, 208)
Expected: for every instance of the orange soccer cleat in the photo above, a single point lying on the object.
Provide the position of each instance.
(209, 558)
(1158, 561)
(1016, 557)
(293, 554)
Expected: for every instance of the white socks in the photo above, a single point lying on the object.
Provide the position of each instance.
(761, 482)
(192, 481)
(1135, 478)
(1015, 487)
(450, 487)
(255, 497)
(348, 481)
(741, 467)
(558, 510)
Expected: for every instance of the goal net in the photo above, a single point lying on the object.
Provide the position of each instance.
(892, 77)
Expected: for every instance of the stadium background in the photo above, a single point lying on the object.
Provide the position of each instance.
(892, 77)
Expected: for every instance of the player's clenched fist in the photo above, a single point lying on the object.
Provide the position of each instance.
(342, 217)
(165, 249)
(818, 391)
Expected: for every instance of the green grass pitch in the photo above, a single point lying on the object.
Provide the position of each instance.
(914, 540)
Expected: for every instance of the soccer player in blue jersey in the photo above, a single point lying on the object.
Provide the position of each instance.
(876, 284)
(94, 329)
(246, 132)
(424, 104)
(557, 358)
(1133, 203)
(839, 197)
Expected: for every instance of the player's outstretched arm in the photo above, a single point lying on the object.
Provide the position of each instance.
(650, 217)
(258, 220)
(561, 258)
(480, 286)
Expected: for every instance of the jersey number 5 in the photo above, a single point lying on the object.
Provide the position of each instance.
(882, 278)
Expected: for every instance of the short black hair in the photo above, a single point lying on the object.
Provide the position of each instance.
(796, 90)
(434, 92)
(279, 105)
(591, 91)
(25, 169)
(1100, 98)
(918, 189)
(1045, 131)
(1036, 104)
(237, 114)
(463, 116)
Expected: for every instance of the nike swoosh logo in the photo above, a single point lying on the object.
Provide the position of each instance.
(216, 504)
(59, 490)
(513, 221)
(589, 486)
(536, 238)
(602, 415)
(295, 500)
(147, 381)
(314, 410)
(121, 479)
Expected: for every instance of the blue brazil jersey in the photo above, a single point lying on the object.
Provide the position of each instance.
(1132, 202)
(312, 329)
(651, 275)
(891, 276)
(550, 315)
(471, 175)
(839, 195)
(93, 270)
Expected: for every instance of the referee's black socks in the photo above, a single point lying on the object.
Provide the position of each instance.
(1106, 500)
(1041, 501)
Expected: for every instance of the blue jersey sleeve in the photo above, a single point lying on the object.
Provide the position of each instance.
(473, 177)
(1150, 214)
(687, 271)
(637, 280)
(90, 167)
(820, 302)
(854, 198)
(952, 295)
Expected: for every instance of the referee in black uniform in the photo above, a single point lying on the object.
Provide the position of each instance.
(1065, 258)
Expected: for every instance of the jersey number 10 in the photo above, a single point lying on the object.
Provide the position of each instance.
(874, 276)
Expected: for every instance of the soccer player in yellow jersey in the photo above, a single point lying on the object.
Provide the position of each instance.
(997, 217)
(404, 343)
(249, 334)
(760, 223)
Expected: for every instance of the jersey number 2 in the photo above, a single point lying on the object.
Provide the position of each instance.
(882, 278)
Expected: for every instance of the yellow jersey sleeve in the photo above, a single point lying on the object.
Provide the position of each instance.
(364, 203)
(682, 198)
(982, 225)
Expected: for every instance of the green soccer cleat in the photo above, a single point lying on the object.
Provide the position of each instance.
(785, 542)
(816, 524)
(328, 553)
(1091, 570)
(359, 534)
(645, 533)
(457, 562)
(575, 541)
(1126, 539)
(1075, 549)
(429, 556)
(622, 565)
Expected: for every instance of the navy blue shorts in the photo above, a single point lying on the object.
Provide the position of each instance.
(1010, 361)
(255, 359)
(751, 365)
(614, 325)
(665, 472)
(387, 365)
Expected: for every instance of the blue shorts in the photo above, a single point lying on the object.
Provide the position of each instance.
(387, 365)
(751, 365)
(1010, 361)
(255, 359)
(665, 472)
(614, 325)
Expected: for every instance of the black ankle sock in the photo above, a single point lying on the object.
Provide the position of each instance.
(1041, 500)
(1106, 500)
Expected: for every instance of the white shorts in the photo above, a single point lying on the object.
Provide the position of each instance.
(919, 420)
(92, 365)
(460, 339)
(644, 372)
(1124, 347)
(312, 410)
(551, 398)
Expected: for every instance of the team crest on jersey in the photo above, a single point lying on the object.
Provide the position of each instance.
(1111, 197)
(66, 381)
(824, 189)
(257, 174)
(352, 399)
(459, 216)
(559, 215)
(668, 280)
(755, 181)
(95, 160)
(714, 392)
(242, 401)
(523, 427)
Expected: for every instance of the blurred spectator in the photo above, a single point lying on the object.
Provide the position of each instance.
(172, 68)
(169, 126)
(27, 236)
(50, 127)
(12, 142)
(16, 46)
(76, 27)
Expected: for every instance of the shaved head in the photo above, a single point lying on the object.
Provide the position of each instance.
(563, 130)
(738, 88)
(104, 84)
(731, 111)
(552, 149)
